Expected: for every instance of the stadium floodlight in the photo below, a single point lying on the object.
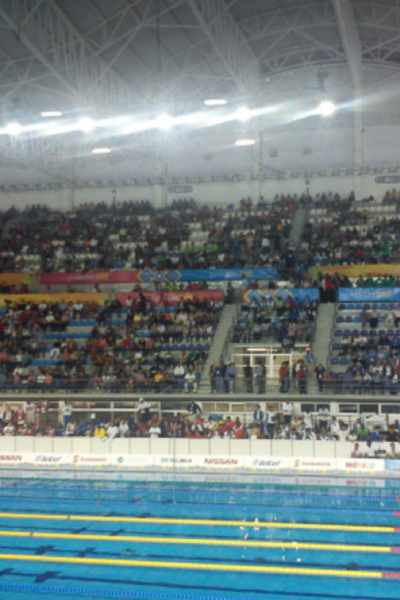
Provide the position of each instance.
(86, 124)
(243, 114)
(245, 142)
(51, 113)
(101, 150)
(215, 102)
(13, 128)
(326, 108)
(164, 122)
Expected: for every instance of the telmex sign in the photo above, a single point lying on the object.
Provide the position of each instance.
(180, 189)
(388, 179)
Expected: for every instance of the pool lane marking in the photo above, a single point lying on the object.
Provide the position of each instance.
(198, 566)
(213, 523)
(198, 541)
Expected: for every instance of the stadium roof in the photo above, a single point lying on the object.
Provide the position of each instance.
(125, 62)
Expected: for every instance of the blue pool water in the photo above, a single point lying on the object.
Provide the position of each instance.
(250, 538)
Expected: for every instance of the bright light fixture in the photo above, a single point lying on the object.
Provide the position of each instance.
(51, 113)
(86, 124)
(215, 102)
(245, 142)
(243, 113)
(13, 128)
(326, 108)
(164, 122)
(101, 150)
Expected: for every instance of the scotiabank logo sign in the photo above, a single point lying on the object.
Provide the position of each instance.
(321, 464)
(90, 459)
(10, 457)
(221, 461)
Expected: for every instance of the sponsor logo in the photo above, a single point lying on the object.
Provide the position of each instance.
(12, 457)
(180, 189)
(220, 461)
(176, 460)
(360, 464)
(266, 463)
(387, 179)
(311, 463)
(48, 459)
(120, 460)
(93, 459)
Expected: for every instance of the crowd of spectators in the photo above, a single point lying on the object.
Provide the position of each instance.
(278, 318)
(136, 347)
(135, 235)
(276, 421)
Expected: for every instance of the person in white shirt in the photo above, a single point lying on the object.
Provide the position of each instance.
(143, 410)
(270, 420)
(287, 409)
(190, 381)
(370, 452)
(112, 431)
(323, 416)
(334, 426)
(308, 419)
(123, 429)
(343, 433)
(67, 411)
(357, 452)
(392, 452)
(155, 431)
(30, 410)
(352, 436)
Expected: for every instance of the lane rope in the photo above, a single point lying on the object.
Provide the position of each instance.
(200, 541)
(204, 522)
(199, 566)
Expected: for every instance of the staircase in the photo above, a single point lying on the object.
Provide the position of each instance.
(228, 318)
(323, 334)
(299, 219)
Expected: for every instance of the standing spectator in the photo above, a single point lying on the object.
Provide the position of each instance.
(143, 410)
(231, 374)
(323, 416)
(271, 418)
(259, 417)
(320, 377)
(248, 377)
(302, 377)
(193, 410)
(219, 372)
(67, 411)
(284, 377)
(261, 375)
(287, 409)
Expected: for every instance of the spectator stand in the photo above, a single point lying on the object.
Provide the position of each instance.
(365, 351)
(67, 417)
(125, 343)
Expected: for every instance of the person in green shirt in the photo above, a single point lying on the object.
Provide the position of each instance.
(362, 433)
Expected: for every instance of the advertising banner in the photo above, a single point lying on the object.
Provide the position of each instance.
(98, 299)
(382, 294)
(134, 276)
(198, 463)
(156, 298)
(355, 271)
(301, 294)
(173, 298)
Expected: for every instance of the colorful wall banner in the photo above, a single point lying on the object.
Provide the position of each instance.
(355, 271)
(156, 298)
(369, 294)
(145, 276)
(301, 294)
(172, 298)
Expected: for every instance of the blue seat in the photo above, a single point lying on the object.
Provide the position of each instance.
(334, 360)
(340, 320)
(344, 361)
(349, 319)
(342, 307)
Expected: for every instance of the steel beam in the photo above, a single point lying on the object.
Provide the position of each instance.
(229, 43)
